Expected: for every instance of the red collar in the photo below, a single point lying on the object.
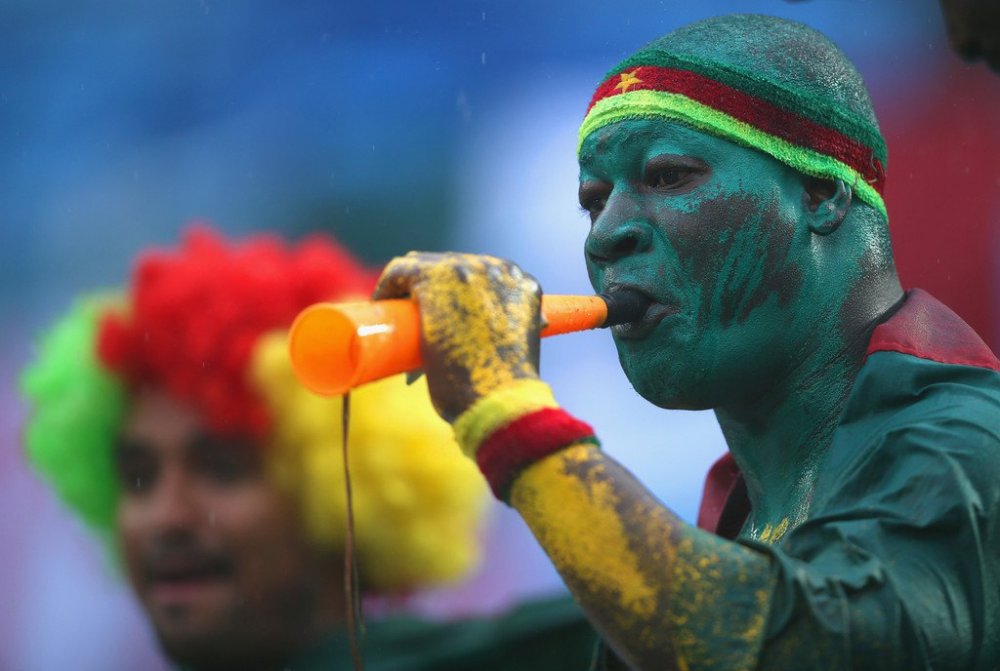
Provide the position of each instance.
(724, 502)
(922, 327)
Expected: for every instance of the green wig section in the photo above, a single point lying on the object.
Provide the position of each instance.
(77, 409)
(646, 104)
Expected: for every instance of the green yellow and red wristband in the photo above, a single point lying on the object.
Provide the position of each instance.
(515, 426)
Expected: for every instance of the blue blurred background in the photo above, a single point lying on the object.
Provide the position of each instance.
(394, 125)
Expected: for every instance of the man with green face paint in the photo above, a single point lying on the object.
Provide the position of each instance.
(733, 171)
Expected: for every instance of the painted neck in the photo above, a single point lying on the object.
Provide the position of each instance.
(779, 438)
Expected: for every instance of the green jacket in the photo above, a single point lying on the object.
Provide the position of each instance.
(550, 635)
(898, 564)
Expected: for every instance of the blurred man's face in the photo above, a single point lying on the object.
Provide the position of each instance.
(215, 553)
(708, 230)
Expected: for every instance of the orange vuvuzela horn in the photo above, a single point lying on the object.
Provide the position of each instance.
(337, 346)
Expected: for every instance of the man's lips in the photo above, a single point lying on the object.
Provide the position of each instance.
(654, 313)
(184, 578)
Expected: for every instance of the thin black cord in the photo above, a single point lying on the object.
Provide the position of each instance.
(351, 583)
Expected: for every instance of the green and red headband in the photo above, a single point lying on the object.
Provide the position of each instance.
(802, 130)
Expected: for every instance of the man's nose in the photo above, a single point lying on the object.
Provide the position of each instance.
(173, 503)
(619, 231)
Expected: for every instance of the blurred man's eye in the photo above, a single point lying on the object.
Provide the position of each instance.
(225, 468)
(135, 468)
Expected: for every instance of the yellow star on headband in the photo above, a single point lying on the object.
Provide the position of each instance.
(628, 79)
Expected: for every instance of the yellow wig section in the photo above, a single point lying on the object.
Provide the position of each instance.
(418, 502)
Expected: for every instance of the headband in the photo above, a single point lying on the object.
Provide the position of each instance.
(802, 130)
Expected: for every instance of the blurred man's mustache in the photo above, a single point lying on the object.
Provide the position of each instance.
(182, 555)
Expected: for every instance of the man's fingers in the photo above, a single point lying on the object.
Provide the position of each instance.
(990, 46)
(400, 274)
(993, 60)
(974, 29)
(530, 281)
(967, 48)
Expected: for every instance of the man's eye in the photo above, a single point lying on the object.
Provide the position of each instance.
(136, 474)
(135, 483)
(665, 179)
(227, 469)
(226, 460)
(593, 197)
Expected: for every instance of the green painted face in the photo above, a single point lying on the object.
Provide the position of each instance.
(709, 230)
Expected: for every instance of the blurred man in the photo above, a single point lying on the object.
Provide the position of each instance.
(734, 172)
(168, 418)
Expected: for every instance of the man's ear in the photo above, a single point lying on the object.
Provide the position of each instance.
(827, 202)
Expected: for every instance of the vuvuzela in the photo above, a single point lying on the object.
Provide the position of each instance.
(335, 347)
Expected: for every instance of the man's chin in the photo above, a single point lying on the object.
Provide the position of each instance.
(205, 650)
(669, 393)
(195, 635)
(191, 653)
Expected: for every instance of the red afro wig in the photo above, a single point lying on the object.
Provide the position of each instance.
(195, 314)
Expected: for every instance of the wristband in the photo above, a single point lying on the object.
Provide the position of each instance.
(499, 408)
(512, 448)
